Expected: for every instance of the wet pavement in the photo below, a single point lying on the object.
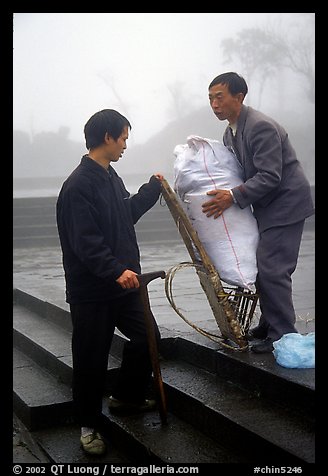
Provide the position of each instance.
(39, 271)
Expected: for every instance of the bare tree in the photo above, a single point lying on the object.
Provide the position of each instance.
(300, 58)
(182, 101)
(265, 52)
(122, 105)
(110, 83)
(179, 103)
(259, 53)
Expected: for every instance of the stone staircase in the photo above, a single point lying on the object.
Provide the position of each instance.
(223, 406)
(34, 223)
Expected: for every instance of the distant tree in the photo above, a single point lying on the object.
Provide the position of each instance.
(181, 104)
(110, 83)
(259, 53)
(265, 52)
(122, 106)
(63, 132)
(49, 154)
(300, 59)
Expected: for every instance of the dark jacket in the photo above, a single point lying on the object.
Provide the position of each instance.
(95, 219)
(275, 183)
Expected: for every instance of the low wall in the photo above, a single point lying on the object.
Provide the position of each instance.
(34, 223)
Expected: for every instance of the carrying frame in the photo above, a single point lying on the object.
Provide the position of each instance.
(233, 307)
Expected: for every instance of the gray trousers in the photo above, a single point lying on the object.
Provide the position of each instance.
(277, 256)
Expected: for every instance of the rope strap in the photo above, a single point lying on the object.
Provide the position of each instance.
(169, 294)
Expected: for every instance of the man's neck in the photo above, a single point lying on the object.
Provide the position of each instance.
(234, 119)
(233, 127)
(99, 158)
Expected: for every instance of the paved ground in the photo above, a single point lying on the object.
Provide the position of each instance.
(39, 272)
(25, 450)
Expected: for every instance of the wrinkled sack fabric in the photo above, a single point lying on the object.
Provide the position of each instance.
(295, 351)
(231, 240)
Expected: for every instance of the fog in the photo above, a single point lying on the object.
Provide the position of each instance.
(154, 69)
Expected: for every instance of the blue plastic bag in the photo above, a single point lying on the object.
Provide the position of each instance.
(295, 351)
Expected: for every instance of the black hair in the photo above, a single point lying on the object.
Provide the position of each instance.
(107, 120)
(236, 83)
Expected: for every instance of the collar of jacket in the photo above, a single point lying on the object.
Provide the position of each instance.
(242, 120)
(94, 167)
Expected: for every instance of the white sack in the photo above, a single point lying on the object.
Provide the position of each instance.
(230, 240)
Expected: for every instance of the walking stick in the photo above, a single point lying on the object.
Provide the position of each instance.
(144, 279)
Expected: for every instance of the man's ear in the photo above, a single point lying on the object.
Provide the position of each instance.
(240, 97)
(108, 138)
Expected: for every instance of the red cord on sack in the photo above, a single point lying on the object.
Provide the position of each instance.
(223, 219)
(204, 160)
(234, 252)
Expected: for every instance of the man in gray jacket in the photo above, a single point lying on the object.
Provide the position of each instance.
(277, 189)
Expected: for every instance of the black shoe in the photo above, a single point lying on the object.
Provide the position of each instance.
(264, 346)
(119, 406)
(257, 333)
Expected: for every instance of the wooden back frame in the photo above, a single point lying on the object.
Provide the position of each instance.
(232, 310)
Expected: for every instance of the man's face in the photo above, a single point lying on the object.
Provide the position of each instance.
(115, 149)
(224, 105)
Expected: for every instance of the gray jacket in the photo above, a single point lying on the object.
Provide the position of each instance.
(274, 181)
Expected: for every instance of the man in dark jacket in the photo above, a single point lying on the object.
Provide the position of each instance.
(276, 187)
(95, 218)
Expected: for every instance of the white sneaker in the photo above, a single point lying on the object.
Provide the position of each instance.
(93, 444)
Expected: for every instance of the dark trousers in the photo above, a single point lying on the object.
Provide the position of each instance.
(277, 256)
(93, 328)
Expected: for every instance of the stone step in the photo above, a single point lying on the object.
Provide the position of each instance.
(143, 441)
(215, 405)
(164, 234)
(34, 202)
(42, 241)
(34, 224)
(47, 413)
(40, 400)
(35, 230)
(228, 413)
(50, 238)
(219, 412)
(176, 442)
(60, 445)
(257, 373)
(47, 343)
(32, 220)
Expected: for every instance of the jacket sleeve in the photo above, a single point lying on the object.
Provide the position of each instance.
(85, 236)
(264, 145)
(145, 198)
